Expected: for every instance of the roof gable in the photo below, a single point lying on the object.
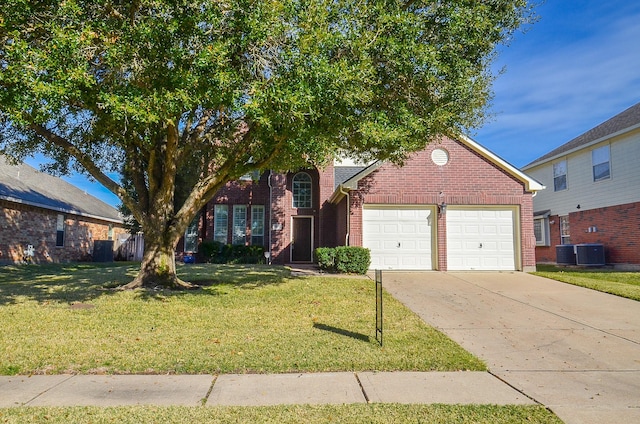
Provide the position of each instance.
(625, 121)
(530, 184)
(23, 184)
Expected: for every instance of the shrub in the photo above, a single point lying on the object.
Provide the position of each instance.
(219, 253)
(344, 259)
(352, 259)
(325, 257)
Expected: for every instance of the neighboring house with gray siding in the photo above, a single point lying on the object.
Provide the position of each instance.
(593, 191)
(45, 219)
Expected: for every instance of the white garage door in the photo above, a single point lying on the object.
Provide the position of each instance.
(399, 238)
(480, 240)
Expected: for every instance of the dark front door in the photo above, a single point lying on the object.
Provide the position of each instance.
(302, 239)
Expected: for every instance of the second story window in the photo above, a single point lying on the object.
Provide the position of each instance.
(600, 161)
(301, 188)
(560, 176)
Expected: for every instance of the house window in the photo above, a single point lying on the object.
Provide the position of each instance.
(301, 190)
(565, 235)
(540, 231)
(560, 175)
(220, 223)
(600, 161)
(239, 224)
(60, 231)
(110, 232)
(251, 176)
(257, 225)
(191, 236)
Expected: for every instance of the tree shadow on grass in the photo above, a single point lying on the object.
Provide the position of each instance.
(342, 332)
(245, 276)
(64, 283)
(82, 282)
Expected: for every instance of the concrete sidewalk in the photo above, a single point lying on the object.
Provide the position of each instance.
(258, 389)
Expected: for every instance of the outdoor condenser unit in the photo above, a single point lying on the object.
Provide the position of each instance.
(590, 254)
(565, 254)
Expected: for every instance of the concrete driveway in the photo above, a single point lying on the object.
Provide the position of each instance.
(574, 350)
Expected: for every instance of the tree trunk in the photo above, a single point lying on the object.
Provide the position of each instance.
(158, 268)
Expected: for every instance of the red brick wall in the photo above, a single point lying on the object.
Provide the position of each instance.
(238, 193)
(617, 227)
(21, 225)
(467, 179)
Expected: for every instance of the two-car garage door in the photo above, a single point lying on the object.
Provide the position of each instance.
(402, 237)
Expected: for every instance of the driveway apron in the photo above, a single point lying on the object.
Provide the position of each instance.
(574, 350)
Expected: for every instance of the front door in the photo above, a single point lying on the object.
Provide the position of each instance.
(302, 239)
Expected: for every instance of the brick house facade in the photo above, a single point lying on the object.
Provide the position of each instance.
(615, 227)
(592, 195)
(452, 183)
(60, 222)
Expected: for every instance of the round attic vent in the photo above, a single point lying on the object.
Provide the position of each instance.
(440, 156)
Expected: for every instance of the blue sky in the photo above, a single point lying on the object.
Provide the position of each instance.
(578, 66)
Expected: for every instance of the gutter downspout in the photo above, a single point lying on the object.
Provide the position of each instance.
(346, 194)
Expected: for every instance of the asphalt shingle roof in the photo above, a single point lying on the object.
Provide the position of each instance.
(23, 184)
(621, 121)
(343, 173)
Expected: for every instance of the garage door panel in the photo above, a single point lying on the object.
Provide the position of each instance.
(480, 239)
(399, 238)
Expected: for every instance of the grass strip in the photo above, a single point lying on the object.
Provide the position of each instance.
(624, 284)
(353, 413)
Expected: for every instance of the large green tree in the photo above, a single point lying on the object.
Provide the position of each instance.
(182, 96)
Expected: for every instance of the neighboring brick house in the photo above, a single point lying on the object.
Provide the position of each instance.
(593, 194)
(59, 221)
(452, 206)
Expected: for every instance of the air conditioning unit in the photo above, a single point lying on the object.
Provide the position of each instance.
(565, 254)
(590, 254)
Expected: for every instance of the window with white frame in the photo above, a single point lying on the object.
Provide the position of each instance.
(560, 176)
(220, 223)
(191, 236)
(257, 225)
(601, 164)
(239, 224)
(541, 231)
(60, 231)
(565, 234)
(302, 192)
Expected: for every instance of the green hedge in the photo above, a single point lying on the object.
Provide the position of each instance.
(343, 259)
(220, 253)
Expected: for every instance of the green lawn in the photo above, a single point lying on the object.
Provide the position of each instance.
(246, 319)
(345, 414)
(625, 284)
(67, 319)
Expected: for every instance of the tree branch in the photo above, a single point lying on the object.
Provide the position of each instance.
(84, 160)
